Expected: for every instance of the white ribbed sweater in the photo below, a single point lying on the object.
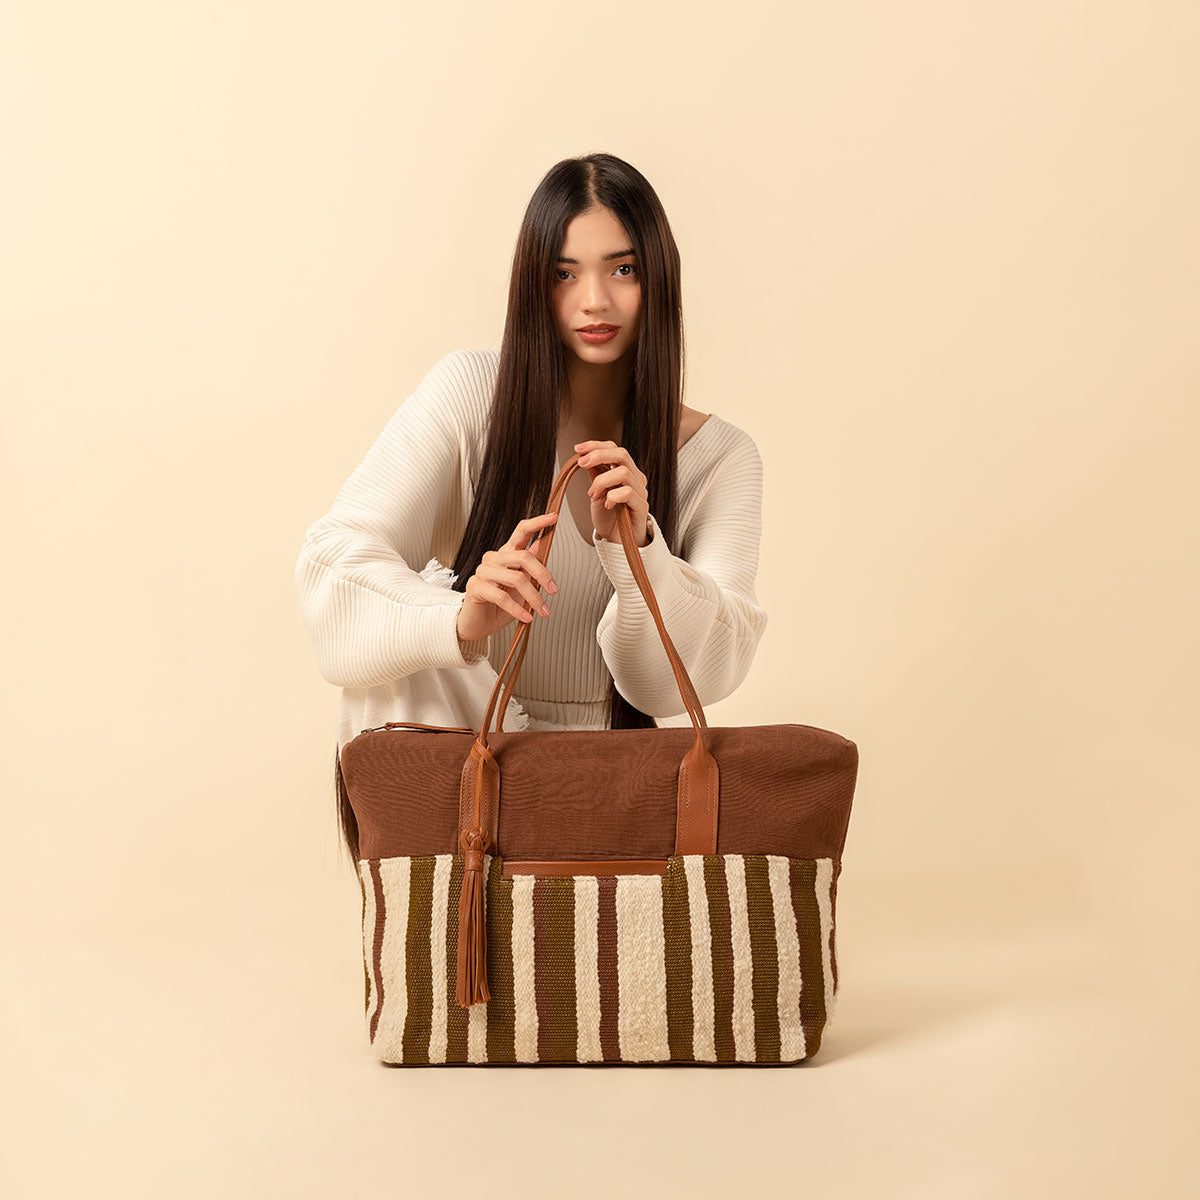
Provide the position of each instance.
(378, 607)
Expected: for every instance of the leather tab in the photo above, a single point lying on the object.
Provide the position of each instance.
(699, 792)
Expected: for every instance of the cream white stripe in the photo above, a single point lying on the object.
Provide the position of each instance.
(641, 969)
(477, 1013)
(524, 993)
(704, 1038)
(438, 1035)
(744, 1049)
(368, 935)
(824, 889)
(587, 969)
(396, 876)
(787, 938)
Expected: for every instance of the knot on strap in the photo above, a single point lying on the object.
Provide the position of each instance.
(474, 843)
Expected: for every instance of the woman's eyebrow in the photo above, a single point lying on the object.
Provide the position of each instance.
(614, 254)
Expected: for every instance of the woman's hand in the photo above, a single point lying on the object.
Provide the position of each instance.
(621, 481)
(503, 578)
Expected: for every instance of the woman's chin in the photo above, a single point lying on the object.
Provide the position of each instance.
(607, 352)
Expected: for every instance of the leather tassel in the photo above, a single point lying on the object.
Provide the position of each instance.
(472, 931)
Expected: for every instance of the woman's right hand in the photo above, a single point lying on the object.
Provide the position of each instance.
(491, 595)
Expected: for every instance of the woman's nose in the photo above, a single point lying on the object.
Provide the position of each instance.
(595, 296)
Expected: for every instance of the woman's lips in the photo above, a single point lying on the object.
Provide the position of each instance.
(597, 336)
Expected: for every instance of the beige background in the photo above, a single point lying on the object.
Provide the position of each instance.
(940, 259)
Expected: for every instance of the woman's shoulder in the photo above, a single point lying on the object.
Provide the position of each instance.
(466, 371)
(459, 387)
(471, 364)
(719, 441)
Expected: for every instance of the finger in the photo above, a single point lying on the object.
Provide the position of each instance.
(502, 600)
(609, 479)
(604, 452)
(527, 562)
(529, 528)
(537, 569)
(515, 579)
(618, 496)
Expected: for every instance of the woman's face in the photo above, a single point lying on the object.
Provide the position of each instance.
(596, 282)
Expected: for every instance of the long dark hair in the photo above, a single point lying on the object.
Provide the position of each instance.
(517, 468)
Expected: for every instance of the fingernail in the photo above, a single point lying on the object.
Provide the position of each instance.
(552, 586)
(545, 611)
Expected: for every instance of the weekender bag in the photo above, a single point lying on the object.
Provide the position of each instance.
(663, 895)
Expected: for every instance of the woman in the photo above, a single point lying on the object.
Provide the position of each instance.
(590, 363)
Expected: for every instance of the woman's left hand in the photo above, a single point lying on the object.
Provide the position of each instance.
(619, 481)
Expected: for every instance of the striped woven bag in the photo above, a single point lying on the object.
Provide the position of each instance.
(663, 895)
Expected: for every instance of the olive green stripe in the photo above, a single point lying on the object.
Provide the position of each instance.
(457, 1017)
(677, 935)
(418, 962)
(608, 968)
(554, 967)
(543, 1002)
(501, 1008)
(720, 923)
(377, 945)
(803, 876)
(764, 953)
(562, 953)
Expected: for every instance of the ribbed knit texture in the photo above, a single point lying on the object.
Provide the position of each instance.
(375, 598)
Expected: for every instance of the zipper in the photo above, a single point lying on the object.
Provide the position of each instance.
(422, 727)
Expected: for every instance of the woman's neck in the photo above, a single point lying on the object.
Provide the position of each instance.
(595, 406)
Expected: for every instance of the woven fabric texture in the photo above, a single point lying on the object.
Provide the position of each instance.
(725, 958)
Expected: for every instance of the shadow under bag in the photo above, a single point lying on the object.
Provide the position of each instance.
(658, 895)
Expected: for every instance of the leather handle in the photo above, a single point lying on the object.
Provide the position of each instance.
(541, 548)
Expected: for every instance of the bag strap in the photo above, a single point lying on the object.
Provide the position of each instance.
(479, 794)
(544, 539)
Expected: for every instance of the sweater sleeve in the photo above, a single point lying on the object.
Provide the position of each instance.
(371, 616)
(708, 602)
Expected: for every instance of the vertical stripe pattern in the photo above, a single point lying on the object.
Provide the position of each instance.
(723, 958)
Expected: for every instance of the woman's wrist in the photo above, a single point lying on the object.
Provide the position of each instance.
(615, 537)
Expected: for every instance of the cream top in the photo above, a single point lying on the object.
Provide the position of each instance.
(376, 600)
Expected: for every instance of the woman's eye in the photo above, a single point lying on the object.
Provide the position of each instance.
(559, 272)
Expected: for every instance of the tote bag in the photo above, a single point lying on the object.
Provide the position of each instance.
(608, 896)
